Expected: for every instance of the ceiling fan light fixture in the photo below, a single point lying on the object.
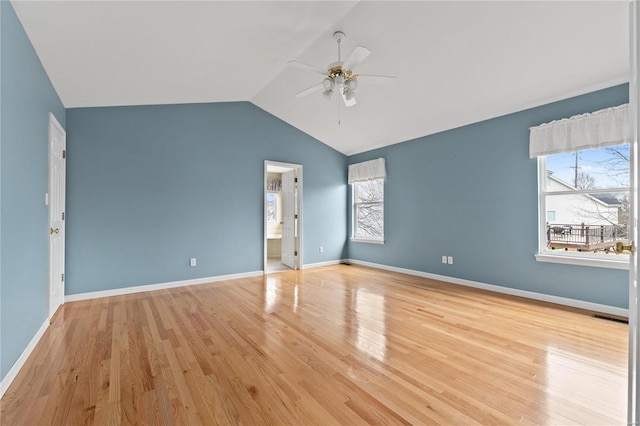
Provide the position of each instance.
(339, 76)
(348, 94)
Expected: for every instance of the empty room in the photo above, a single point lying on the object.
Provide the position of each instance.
(318, 212)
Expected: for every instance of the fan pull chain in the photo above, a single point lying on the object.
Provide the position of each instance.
(339, 109)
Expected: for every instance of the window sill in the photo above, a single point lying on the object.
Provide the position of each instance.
(362, 240)
(583, 261)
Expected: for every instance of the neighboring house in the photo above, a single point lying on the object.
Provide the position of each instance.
(576, 209)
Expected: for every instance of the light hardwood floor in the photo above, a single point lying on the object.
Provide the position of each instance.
(332, 345)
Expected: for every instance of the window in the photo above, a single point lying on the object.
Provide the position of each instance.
(585, 201)
(272, 207)
(367, 179)
(368, 210)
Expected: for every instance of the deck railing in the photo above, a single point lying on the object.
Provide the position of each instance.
(585, 237)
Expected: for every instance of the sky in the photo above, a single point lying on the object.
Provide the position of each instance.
(595, 162)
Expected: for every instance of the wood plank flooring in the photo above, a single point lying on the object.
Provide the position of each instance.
(327, 346)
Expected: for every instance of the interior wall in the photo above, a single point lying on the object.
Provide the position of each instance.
(471, 193)
(27, 97)
(150, 187)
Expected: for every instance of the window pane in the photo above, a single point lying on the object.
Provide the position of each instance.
(587, 222)
(272, 207)
(606, 167)
(369, 191)
(551, 216)
(369, 221)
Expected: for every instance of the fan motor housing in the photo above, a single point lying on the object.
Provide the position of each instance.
(336, 71)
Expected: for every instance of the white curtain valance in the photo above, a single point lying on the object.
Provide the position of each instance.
(606, 127)
(367, 170)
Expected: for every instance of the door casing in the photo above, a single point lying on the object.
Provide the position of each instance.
(298, 226)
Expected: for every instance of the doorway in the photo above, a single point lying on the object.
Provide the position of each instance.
(282, 217)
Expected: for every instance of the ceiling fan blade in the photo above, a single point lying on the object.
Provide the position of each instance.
(348, 102)
(306, 67)
(378, 79)
(309, 90)
(357, 55)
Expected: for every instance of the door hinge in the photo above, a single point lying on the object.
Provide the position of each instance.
(62, 277)
(295, 180)
(295, 216)
(295, 253)
(64, 153)
(62, 215)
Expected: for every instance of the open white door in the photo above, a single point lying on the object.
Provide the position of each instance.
(288, 255)
(56, 231)
(633, 415)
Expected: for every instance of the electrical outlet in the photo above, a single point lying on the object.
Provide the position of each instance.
(450, 260)
(444, 259)
(321, 249)
(192, 261)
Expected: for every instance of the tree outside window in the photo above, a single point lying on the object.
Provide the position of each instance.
(368, 210)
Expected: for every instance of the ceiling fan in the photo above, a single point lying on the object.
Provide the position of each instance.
(340, 75)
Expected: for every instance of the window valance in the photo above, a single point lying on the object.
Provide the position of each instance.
(606, 127)
(367, 170)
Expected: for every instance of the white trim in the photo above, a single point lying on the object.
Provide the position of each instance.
(17, 366)
(327, 263)
(161, 286)
(299, 172)
(55, 122)
(584, 260)
(633, 369)
(612, 310)
(542, 202)
(363, 240)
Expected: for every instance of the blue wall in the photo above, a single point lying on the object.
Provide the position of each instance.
(471, 193)
(150, 187)
(27, 97)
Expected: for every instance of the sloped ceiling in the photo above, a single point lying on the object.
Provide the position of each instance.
(457, 62)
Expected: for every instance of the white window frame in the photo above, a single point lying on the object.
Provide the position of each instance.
(571, 258)
(371, 240)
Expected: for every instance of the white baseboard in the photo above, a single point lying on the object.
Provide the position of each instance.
(15, 368)
(319, 264)
(150, 287)
(172, 284)
(612, 310)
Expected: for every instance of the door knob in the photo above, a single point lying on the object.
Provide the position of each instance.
(620, 247)
(53, 231)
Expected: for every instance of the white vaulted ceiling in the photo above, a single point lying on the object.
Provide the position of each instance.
(457, 62)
